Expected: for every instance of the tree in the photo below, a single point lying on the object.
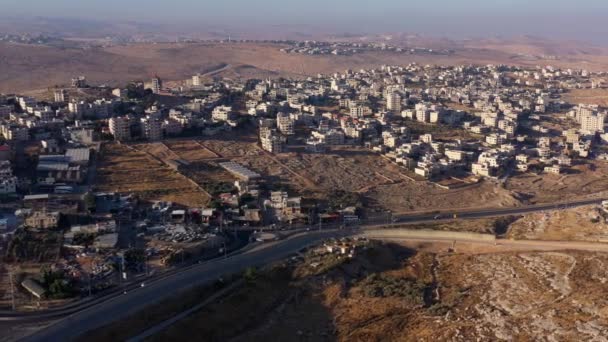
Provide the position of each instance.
(135, 257)
(250, 274)
(56, 283)
(341, 199)
(89, 202)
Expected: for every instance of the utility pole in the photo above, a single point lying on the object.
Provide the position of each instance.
(89, 273)
(320, 221)
(10, 275)
(146, 264)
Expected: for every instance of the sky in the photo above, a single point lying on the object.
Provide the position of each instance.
(581, 19)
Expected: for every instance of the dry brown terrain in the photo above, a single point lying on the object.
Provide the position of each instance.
(190, 150)
(587, 96)
(126, 170)
(581, 181)
(577, 224)
(416, 196)
(28, 67)
(424, 296)
(349, 169)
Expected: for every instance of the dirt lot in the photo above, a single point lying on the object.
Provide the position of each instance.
(123, 169)
(580, 224)
(496, 225)
(349, 169)
(389, 293)
(233, 145)
(417, 196)
(582, 181)
(587, 96)
(190, 150)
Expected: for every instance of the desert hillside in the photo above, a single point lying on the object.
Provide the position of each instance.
(30, 67)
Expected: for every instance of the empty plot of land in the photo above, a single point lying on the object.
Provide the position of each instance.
(576, 224)
(209, 171)
(157, 150)
(124, 169)
(415, 196)
(581, 181)
(190, 150)
(587, 96)
(274, 172)
(231, 147)
(347, 169)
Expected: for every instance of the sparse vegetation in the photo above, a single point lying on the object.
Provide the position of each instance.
(380, 285)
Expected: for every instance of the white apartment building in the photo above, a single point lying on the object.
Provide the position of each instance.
(120, 128)
(393, 102)
(14, 132)
(482, 169)
(60, 95)
(331, 137)
(157, 85)
(221, 113)
(77, 108)
(554, 169)
(360, 111)
(285, 124)
(44, 114)
(592, 123)
(197, 80)
(271, 141)
(151, 129)
(435, 116)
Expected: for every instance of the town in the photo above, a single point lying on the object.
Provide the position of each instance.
(102, 185)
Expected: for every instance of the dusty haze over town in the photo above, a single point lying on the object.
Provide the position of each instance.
(320, 170)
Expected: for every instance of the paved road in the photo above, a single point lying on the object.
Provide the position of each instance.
(125, 305)
(491, 212)
(216, 71)
(529, 245)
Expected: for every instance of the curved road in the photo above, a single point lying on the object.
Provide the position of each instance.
(136, 300)
(109, 310)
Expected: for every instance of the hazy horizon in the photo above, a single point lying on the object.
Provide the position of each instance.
(466, 18)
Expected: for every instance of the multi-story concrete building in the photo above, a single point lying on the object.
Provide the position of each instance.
(222, 113)
(79, 82)
(197, 80)
(271, 141)
(157, 85)
(61, 95)
(14, 132)
(151, 129)
(360, 111)
(285, 124)
(592, 123)
(120, 128)
(393, 102)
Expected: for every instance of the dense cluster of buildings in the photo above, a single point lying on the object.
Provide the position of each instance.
(497, 112)
(311, 47)
(436, 122)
